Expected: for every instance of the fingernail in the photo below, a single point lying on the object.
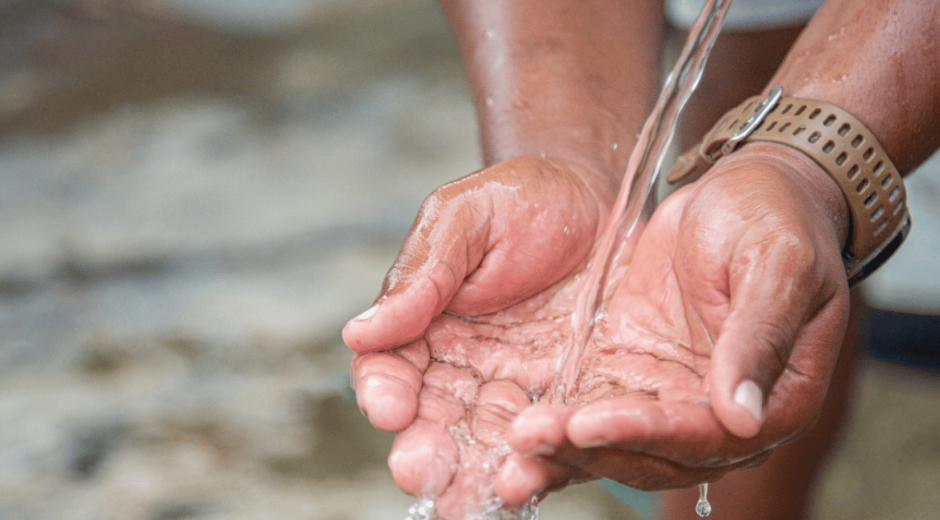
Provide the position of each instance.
(582, 431)
(512, 474)
(596, 443)
(543, 449)
(749, 396)
(368, 314)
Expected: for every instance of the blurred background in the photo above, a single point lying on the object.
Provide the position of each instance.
(194, 197)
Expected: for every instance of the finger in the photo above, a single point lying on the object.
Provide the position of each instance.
(425, 456)
(387, 385)
(478, 437)
(540, 429)
(470, 493)
(446, 242)
(497, 405)
(423, 459)
(521, 478)
(402, 314)
(685, 433)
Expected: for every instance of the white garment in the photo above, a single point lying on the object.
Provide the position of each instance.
(746, 15)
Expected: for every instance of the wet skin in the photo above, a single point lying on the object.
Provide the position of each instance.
(679, 328)
(735, 289)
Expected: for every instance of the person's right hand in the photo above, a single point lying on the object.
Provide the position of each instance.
(478, 245)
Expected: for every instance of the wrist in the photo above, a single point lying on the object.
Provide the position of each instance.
(842, 146)
(820, 186)
(597, 178)
(576, 131)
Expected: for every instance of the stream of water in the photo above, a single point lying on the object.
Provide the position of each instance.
(642, 173)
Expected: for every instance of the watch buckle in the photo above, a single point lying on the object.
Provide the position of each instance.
(766, 107)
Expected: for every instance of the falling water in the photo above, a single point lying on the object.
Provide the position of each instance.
(642, 170)
(423, 509)
(703, 508)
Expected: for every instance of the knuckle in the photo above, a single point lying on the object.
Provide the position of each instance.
(803, 254)
(800, 260)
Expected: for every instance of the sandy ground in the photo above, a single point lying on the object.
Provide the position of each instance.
(192, 206)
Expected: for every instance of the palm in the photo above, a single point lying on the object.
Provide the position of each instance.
(485, 369)
(641, 344)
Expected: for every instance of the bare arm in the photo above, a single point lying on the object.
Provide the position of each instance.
(568, 78)
(880, 61)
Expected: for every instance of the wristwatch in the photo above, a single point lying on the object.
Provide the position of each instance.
(837, 142)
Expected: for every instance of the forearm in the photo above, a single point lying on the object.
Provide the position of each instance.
(567, 78)
(880, 61)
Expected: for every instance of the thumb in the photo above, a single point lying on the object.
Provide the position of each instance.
(767, 310)
(447, 241)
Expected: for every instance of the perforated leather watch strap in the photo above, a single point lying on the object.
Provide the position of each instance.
(842, 146)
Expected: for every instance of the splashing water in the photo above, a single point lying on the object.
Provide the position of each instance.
(703, 508)
(423, 509)
(489, 507)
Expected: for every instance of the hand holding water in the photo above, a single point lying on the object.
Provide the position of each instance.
(741, 274)
(479, 245)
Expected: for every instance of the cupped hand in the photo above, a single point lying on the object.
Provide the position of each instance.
(485, 242)
(727, 324)
(479, 245)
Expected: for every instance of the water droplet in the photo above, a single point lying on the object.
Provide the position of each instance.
(703, 508)
(489, 101)
(423, 509)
